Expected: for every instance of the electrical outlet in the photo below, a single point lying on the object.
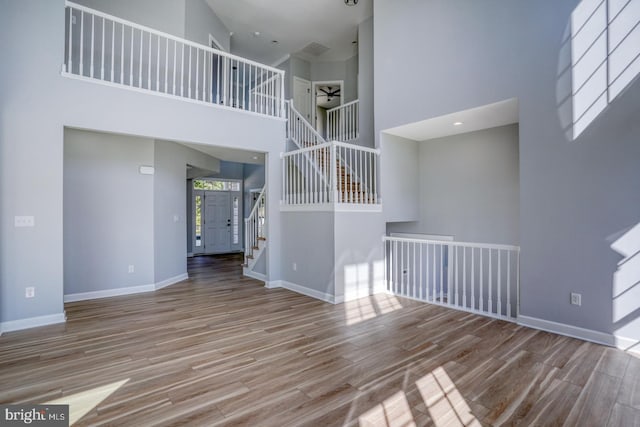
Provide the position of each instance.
(29, 292)
(576, 299)
(131, 269)
(295, 267)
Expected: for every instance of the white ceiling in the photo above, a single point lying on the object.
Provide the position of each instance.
(487, 116)
(294, 24)
(227, 154)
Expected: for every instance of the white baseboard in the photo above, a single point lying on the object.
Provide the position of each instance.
(568, 330)
(131, 290)
(274, 284)
(628, 344)
(301, 290)
(83, 296)
(171, 281)
(258, 276)
(32, 322)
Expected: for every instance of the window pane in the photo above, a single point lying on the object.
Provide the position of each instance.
(236, 225)
(198, 221)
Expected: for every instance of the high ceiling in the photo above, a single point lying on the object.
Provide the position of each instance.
(294, 24)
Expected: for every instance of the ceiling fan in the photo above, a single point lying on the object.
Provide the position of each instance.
(328, 92)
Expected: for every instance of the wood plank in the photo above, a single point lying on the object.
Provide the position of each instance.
(220, 349)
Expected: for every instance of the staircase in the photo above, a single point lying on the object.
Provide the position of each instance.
(255, 226)
(320, 172)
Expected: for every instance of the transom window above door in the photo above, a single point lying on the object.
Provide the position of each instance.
(215, 185)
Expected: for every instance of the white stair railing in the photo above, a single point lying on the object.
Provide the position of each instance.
(474, 277)
(331, 172)
(115, 51)
(255, 225)
(343, 122)
(299, 129)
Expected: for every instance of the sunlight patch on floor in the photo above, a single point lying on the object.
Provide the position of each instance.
(393, 412)
(446, 405)
(366, 308)
(82, 403)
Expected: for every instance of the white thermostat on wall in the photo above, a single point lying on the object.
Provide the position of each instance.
(146, 170)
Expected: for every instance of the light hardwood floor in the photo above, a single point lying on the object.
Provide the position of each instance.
(221, 349)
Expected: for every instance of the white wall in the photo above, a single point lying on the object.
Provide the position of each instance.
(306, 243)
(170, 198)
(399, 178)
(115, 217)
(365, 84)
(200, 21)
(108, 212)
(575, 196)
(469, 187)
(359, 257)
(162, 15)
(351, 79)
(33, 154)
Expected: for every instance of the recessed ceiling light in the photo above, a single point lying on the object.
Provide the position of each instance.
(256, 34)
(354, 42)
(275, 41)
(255, 157)
(457, 123)
(351, 2)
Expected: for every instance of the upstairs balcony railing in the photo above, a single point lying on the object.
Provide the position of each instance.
(114, 51)
(479, 278)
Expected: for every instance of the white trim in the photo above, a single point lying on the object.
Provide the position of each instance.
(627, 344)
(274, 284)
(213, 39)
(82, 296)
(167, 95)
(332, 207)
(424, 236)
(131, 290)
(32, 322)
(258, 276)
(301, 290)
(567, 330)
(281, 60)
(171, 281)
(453, 244)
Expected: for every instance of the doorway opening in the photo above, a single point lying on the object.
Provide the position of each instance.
(326, 95)
(217, 209)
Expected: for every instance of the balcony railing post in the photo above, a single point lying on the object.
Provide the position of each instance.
(334, 175)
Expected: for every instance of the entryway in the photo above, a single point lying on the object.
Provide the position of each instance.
(217, 206)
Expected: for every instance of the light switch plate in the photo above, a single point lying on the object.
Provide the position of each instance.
(24, 221)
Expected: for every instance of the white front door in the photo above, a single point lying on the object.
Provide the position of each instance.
(302, 97)
(217, 223)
